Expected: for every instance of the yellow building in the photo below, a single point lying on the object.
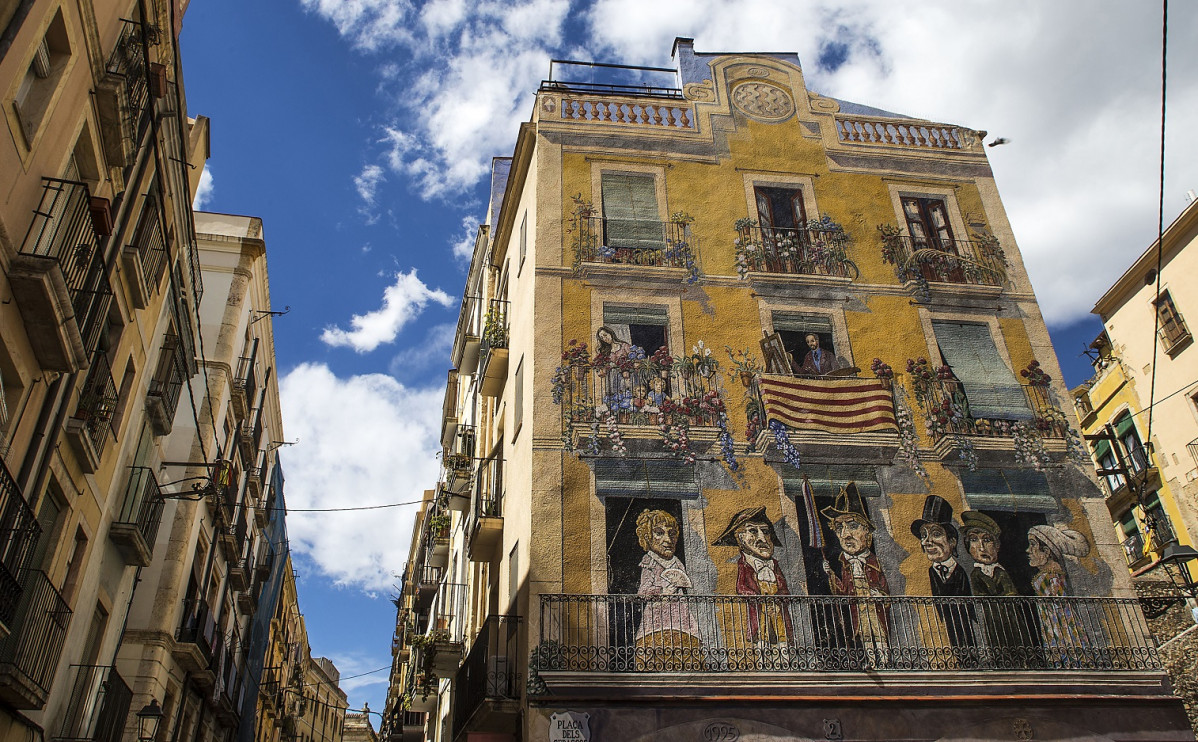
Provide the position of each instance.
(755, 430)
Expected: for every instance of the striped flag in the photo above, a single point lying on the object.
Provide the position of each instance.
(833, 405)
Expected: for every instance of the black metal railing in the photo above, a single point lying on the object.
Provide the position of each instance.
(32, 650)
(428, 576)
(949, 405)
(127, 61)
(97, 707)
(1133, 547)
(197, 627)
(1137, 459)
(19, 532)
(631, 91)
(97, 402)
(633, 242)
(173, 130)
(645, 392)
(797, 251)
(632, 633)
(63, 231)
(495, 323)
(976, 262)
(246, 379)
(167, 382)
(150, 244)
(449, 407)
(181, 311)
(490, 670)
(143, 503)
(449, 611)
(488, 488)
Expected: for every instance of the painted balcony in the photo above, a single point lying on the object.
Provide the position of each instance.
(97, 707)
(136, 527)
(716, 643)
(90, 427)
(772, 253)
(920, 263)
(59, 278)
(610, 404)
(21, 531)
(29, 655)
(486, 689)
(627, 249)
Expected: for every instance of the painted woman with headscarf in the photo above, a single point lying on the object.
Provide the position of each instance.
(1047, 551)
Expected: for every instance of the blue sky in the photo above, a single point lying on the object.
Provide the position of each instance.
(360, 132)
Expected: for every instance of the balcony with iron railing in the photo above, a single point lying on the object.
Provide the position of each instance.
(587, 641)
(623, 96)
(484, 528)
(922, 261)
(458, 464)
(245, 385)
(182, 308)
(29, 654)
(145, 258)
(59, 278)
(816, 249)
(445, 633)
(123, 100)
(135, 529)
(449, 409)
(1133, 549)
(173, 131)
(97, 707)
(605, 246)
(19, 532)
(195, 638)
(90, 427)
(162, 399)
(493, 354)
(487, 687)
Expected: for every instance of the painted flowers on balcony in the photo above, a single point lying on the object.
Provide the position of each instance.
(1035, 375)
(819, 247)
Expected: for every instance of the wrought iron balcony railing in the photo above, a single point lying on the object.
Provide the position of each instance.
(490, 671)
(975, 262)
(172, 129)
(150, 244)
(197, 627)
(127, 61)
(818, 251)
(813, 634)
(449, 611)
(495, 323)
(488, 488)
(167, 382)
(143, 503)
(63, 231)
(1133, 548)
(19, 532)
(29, 655)
(246, 379)
(97, 707)
(643, 392)
(632, 242)
(97, 403)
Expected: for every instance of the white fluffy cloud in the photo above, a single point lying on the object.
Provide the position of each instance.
(367, 182)
(402, 302)
(204, 190)
(363, 440)
(1074, 84)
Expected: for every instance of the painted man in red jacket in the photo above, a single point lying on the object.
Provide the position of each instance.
(860, 572)
(758, 573)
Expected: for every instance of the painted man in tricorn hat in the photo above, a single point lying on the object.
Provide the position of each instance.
(758, 573)
(938, 538)
(860, 573)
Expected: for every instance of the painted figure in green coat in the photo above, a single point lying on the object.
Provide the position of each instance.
(1010, 637)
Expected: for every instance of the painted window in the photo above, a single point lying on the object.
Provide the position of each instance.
(927, 223)
(988, 386)
(780, 208)
(796, 330)
(630, 215)
(1173, 328)
(645, 327)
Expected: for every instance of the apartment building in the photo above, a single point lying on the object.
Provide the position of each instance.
(101, 289)
(754, 429)
(1149, 468)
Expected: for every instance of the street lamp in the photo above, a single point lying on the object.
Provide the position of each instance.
(1175, 559)
(148, 720)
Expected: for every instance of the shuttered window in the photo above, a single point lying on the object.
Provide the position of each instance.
(828, 479)
(1008, 489)
(630, 215)
(645, 478)
(990, 387)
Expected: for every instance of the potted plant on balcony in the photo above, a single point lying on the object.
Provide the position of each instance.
(438, 526)
(494, 330)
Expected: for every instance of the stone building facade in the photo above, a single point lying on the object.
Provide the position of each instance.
(754, 429)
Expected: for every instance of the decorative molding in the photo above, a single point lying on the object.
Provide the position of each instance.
(763, 101)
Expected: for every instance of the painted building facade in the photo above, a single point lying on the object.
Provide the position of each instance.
(754, 429)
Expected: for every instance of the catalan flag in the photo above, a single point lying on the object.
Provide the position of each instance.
(833, 405)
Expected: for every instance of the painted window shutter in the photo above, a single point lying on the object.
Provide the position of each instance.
(645, 478)
(1008, 489)
(630, 213)
(991, 388)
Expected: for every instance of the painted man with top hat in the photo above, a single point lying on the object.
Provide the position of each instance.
(758, 573)
(938, 538)
(860, 573)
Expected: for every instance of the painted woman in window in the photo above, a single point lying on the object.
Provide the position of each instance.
(613, 354)
(1047, 551)
(668, 636)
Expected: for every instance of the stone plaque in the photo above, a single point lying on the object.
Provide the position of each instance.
(569, 726)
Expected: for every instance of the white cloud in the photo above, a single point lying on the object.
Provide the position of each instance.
(432, 352)
(363, 440)
(1075, 86)
(402, 302)
(367, 183)
(369, 24)
(204, 191)
(463, 245)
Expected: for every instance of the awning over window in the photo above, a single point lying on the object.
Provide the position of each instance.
(828, 479)
(645, 478)
(1008, 489)
(991, 387)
